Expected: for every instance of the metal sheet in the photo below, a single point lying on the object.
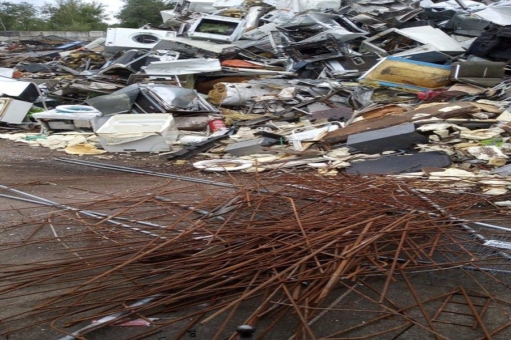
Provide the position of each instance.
(184, 45)
(433, 36)
(184, 66)
(497, 13)
(425, 35)
(303, 5)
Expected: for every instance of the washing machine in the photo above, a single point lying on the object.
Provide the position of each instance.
(132, 38)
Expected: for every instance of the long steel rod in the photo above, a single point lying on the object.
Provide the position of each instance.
(106, 320)
(83, 212)
(454, 218)
(143, 172)
(462, 225)
(21, 199)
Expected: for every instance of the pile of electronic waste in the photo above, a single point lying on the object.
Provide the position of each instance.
(385, 87)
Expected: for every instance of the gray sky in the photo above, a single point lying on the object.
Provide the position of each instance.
(112, 6)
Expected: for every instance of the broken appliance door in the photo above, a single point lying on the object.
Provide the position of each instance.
(125, 63)
(351, 65)
(22, 90)
(183, 67)
(188, 48)
(121, 101)
(323, 24)
(217, 28)
(146, 104)
(129, 38)
(395, 40)
(316, 51)
(173, 98)
(328, 44)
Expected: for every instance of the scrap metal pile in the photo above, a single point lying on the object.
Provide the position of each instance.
(276, 83)
(299, 257)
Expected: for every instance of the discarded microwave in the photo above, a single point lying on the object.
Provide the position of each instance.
(218, 28)
(128, 38)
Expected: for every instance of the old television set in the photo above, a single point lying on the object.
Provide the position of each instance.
(217, 28)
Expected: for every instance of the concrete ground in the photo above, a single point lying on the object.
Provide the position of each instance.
(35, 171)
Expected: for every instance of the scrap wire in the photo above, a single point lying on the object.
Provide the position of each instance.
(279, 251)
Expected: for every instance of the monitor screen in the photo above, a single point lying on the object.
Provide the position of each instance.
(212, 26)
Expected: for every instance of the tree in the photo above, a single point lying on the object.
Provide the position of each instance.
(19, 17)
(136, 13)
(75, 15)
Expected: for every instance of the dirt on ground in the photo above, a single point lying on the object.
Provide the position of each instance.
(35, 170)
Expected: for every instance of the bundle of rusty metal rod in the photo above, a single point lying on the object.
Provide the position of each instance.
(297, 257)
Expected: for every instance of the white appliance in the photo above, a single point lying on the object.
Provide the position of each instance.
(132, 38)
(153, 132)
(67, 117)
(13, 111)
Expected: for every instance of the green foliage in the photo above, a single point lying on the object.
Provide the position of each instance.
(136, 13)
(19, 17)
(75, 15)
(62, 15)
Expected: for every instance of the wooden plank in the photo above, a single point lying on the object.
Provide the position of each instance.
(443, 111)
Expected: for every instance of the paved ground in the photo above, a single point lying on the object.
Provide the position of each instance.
(35, 171)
